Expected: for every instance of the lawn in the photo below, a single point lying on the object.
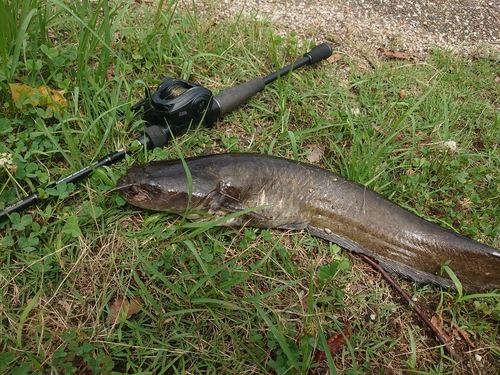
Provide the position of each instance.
(201, 299)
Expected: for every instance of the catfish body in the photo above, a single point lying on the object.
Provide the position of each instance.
(273, 192)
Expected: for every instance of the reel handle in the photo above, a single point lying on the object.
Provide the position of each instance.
(171, 110)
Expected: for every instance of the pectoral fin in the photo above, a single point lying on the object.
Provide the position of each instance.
(226, 199)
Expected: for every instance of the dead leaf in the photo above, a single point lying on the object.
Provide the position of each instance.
(334, 343)
(333, 58)
(378, 128)
(66, 306)
(390, 54)
(436, 322)
(315, 154)
(38, 97)
(208, 26)
(465, 335)
(456, 332)
(110, 73)
(124, 307)
(381, 131)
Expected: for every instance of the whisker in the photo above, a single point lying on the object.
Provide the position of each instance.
(119, 188)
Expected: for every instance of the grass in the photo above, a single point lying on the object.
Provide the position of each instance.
(230, 300)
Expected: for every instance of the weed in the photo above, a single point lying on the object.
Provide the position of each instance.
(229, 300)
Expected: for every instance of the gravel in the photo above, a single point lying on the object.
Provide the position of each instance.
(413, 26)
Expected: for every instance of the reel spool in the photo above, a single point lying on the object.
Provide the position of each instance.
(175, 104)
(173, 107)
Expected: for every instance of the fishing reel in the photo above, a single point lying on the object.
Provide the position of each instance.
(173, 107)
(176, 102)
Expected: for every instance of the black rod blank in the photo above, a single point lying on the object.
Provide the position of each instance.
(157, 136)
(73, 177)
(231, 98)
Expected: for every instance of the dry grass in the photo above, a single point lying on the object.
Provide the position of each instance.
(241, 300)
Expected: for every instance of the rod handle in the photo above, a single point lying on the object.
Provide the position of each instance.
(318, 53)
(231, 98)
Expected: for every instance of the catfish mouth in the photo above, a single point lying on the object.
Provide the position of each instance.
(131, 192)
(141, 196)
(134, 193)
(152, 196)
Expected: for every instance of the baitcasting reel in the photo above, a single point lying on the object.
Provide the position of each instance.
(176, 104)
(173, 107)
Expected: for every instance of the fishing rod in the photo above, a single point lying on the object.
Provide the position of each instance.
(174, 106)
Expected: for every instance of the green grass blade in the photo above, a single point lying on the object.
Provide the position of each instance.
(19, 43)
(292, 361)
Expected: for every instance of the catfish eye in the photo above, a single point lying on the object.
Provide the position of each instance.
(153, 185)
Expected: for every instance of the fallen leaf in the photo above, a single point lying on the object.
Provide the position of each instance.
(110, 73)
(410, 172)
(124, 307)
(390, 54)
(378, 128)
(208, 26)
(456, 332)
(381, 131)
(333, 58)
(38, 96)
(436, 322)
(315, 154)
(334, 343)
(465, 335)
(66, 306)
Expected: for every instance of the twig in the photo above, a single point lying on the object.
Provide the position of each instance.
(415, 308)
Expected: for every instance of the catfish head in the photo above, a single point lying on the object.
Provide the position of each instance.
(168, 186)
(261, 191)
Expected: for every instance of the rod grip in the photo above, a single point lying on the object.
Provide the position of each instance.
(321, 52)
(231, 98)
